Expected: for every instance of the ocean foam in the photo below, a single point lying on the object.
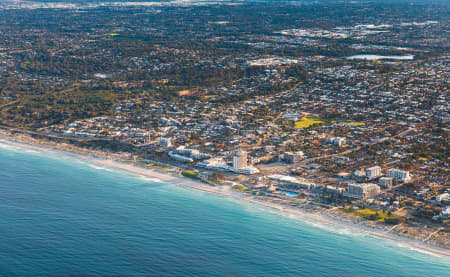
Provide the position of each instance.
(9, 147)
(99, 167)
(419, 250)
(150, 179)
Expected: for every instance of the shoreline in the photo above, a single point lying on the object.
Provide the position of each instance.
(199, 186)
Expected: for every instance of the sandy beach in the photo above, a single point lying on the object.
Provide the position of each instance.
(226, 191)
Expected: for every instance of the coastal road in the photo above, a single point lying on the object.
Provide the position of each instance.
(54, 136)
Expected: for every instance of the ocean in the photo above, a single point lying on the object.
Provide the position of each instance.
(60, 216)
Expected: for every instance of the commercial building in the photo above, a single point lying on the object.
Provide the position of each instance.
(401, 175)
(339, 141)
(445, 214)
(334, 190)
(180, 158)
(442, 197)
(386, 182)
(192, 153)
(292, 157)
(291, 182)
(218, 164)
(165, 142)
(361, 191)
(373, 172)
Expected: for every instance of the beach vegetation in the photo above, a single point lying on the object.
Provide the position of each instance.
(216, 178)
(190, 174)
(374, 215)
(240, 188)
(155, 164)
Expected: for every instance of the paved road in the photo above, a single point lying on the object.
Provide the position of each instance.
(8, 104)
(54, 136)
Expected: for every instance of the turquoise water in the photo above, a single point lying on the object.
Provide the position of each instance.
(288, 193)
(60, 217)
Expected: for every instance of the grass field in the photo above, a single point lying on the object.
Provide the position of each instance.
(375, 215)
(190, 174)
(305, 122)
(211, 97)
(240, 188)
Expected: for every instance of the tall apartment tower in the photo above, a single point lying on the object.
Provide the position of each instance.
(240, 160)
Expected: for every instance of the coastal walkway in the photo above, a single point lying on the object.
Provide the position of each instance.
(435, 232)
(393, 227)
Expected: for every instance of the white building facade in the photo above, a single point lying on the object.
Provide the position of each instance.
(401, 175)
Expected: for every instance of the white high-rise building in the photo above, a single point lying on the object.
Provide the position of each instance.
(373, 172)
(240, 160)
(398, 174)
(240, 164)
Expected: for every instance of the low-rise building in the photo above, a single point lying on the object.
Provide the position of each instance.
(442, 197)
(292, 157)
(180, 158)
(218, 164)
(292, 182)
(336, 141)
(192, 153)
(445, 214)
(165, 142)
